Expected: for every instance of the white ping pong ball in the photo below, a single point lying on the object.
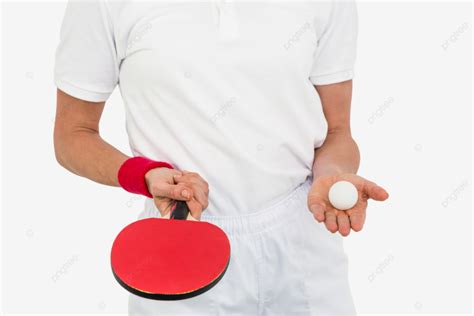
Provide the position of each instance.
(343, 195)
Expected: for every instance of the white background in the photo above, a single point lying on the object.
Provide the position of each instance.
(411, 117)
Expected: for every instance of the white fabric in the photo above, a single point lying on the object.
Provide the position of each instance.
(282, 263)
(222, 88)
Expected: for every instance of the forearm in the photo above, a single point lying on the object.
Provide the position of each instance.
(86, 154)
(339, 154)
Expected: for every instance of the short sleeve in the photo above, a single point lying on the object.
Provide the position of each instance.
(336, 50)
(86, 60)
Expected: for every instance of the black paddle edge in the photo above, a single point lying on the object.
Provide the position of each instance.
(170, 297)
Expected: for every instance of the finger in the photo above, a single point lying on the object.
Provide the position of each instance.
(199, 186)
(357, 219)
(166, 215)
(180, 177)
(175, 172)
(200, 196)
(195, 208)
(375, 192)
(343, 224)
(192, 178)
(179, 191)
(317, 206)
(331, 221)
(163, 205)
(190, 173)
(318, 211)
(191, 218)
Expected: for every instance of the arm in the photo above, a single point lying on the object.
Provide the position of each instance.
(80, 149)
(339, 153)
(338, 159)
(77, 142)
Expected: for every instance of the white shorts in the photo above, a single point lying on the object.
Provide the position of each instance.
(283, 262)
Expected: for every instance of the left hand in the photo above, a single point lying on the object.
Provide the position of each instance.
(337, 220)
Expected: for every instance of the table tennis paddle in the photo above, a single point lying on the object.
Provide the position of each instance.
(170, 259)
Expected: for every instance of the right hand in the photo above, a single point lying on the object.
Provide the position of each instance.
(167, 185)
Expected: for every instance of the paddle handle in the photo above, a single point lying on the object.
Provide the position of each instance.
(180, 210)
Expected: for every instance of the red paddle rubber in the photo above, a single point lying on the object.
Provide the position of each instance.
(170, 259)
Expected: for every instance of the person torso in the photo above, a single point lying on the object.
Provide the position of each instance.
(221, 88)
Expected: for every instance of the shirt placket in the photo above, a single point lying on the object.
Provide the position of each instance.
(226, 19)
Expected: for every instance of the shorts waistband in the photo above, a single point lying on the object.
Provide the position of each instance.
(280, 212)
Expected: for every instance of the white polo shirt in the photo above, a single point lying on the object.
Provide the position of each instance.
(222, 88)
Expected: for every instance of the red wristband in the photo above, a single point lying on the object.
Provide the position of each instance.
(131, 174)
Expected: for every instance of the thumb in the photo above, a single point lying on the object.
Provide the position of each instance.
(375, 191)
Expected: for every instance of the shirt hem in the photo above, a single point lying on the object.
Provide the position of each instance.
(80, 93)
(333, 77)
